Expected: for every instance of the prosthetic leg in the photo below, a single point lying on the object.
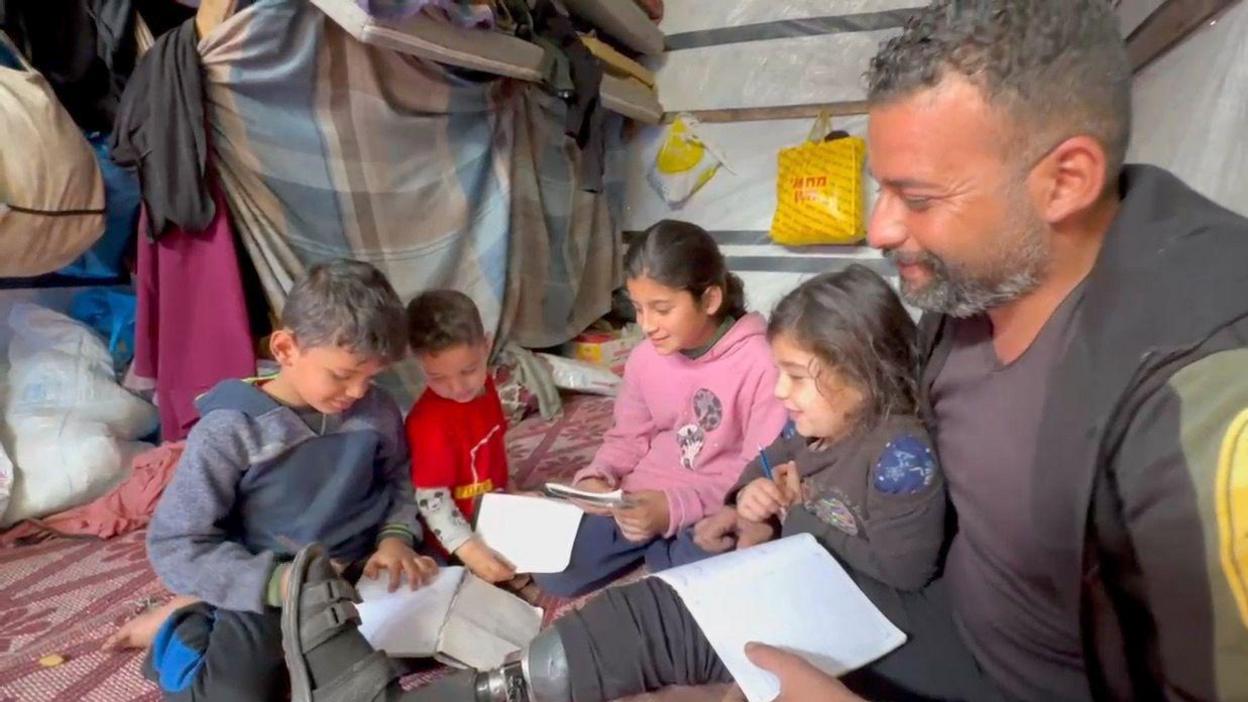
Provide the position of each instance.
(330, 661)
(538, 673)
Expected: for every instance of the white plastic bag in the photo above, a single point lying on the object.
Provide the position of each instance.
(684, 161)
(6, 480)
(71, 427)
(580, 376)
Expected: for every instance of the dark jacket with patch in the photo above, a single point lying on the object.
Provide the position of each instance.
(1142, 462)
(876, 501)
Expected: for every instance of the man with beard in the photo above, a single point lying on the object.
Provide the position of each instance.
(1086, 374)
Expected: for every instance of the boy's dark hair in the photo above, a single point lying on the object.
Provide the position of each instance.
(854, 323)
(346, 304)
(440, 319)
(683, 256)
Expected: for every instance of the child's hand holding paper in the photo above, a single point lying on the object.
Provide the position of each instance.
(645, 517)
(398, 559)
(484, 562)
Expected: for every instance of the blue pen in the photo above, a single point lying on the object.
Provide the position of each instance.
(762, 458)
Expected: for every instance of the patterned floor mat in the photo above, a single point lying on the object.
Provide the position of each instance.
(66, 596)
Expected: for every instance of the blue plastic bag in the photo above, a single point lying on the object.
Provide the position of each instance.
(111, 313)
(105, 259)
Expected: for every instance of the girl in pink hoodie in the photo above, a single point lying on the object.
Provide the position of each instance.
(695, 406)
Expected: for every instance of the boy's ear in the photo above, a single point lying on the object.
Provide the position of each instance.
(284, 347)
(712, 300)
(489, 342)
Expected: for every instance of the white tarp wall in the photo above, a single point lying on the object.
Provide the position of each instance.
(1191, 106)
(759, 54)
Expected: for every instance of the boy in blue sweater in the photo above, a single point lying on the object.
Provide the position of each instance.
(315, 454)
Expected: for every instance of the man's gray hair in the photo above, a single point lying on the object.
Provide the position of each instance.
(1059, 67)
(350, 305)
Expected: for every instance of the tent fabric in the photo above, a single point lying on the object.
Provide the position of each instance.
(328, 147)
(1190, 107)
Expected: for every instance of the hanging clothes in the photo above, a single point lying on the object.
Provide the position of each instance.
(160, 130)
(192, 330)
(576, 77)
(85, 48)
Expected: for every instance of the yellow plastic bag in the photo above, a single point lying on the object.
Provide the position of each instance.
(819, 198)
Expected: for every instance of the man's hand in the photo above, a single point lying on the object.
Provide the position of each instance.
(484, 562)
(717, 533)
(645, 518)
(799, 681)
(395, 556)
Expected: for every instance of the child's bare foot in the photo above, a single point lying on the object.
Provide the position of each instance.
(140, 631)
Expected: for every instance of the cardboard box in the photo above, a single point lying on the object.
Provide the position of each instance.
(608, 349)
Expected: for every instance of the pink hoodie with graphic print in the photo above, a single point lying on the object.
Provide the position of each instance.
(689, 427)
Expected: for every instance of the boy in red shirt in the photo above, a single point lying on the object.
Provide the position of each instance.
(456, 428)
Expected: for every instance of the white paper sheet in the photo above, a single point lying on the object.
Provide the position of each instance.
(534, 534)
(791, 594)
(405, 623)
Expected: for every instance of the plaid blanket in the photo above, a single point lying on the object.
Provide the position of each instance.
(327, 147)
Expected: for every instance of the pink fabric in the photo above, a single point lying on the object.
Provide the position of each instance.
(689, 427)
(128, 507)
(191, 330)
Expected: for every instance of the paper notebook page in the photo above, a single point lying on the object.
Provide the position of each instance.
(791, 594)
(405, 623)
(613, 498)
(485, 624)
(534, 534)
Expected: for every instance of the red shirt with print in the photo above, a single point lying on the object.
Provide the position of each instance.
(459, 445)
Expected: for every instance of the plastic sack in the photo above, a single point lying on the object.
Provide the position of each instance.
(51, 191)
(684, 162)
(6, 480)
(579, 376)
(819, 189)
(71, 426)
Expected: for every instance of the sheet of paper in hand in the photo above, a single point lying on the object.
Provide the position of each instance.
(615, 498)
(534, 534)
(791, 594)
